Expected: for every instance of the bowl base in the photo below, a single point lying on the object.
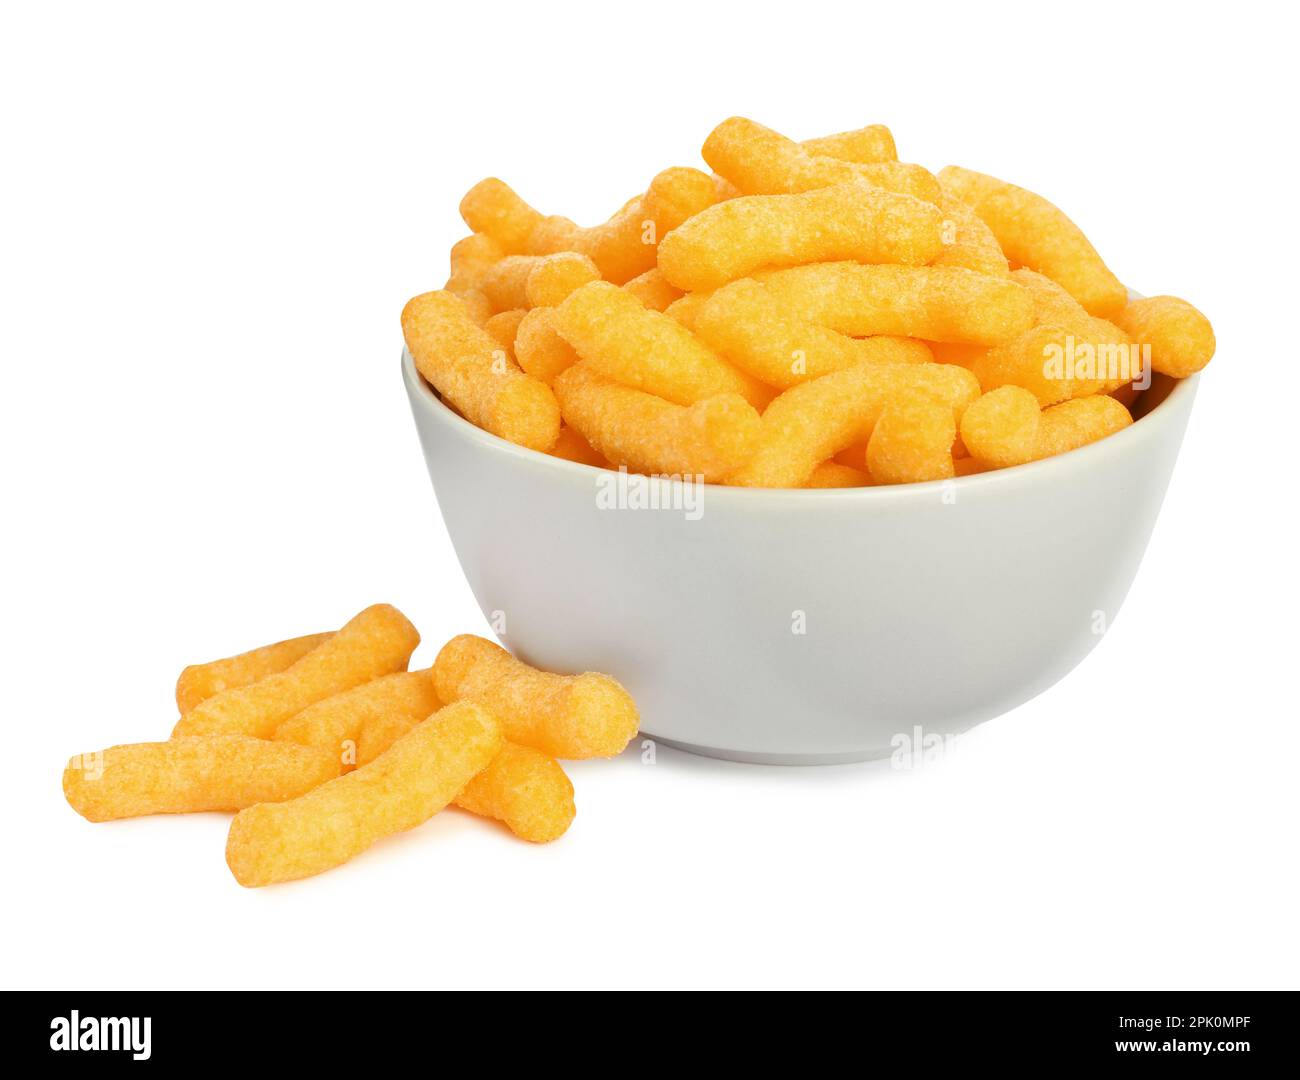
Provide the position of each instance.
(748, 758)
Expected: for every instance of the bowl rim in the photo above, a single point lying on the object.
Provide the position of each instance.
(1122, 444)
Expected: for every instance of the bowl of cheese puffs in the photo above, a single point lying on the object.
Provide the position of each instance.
(808, 446)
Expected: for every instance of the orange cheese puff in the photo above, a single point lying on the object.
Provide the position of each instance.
(624, 247)
(566, 716)
(468, 367)
(477, 306)
(653, 290)
(776, 345)
(525, 789)
(724, 188)
(650, 435)
(1076, 423)
(831, 474)
(378, 641)
(185, 776)
(760, 161)
(573, 447)
(816, 420)
(1181, 338)
(684, 309)
(198, 682)
(492, 208)
(1001, 427)
(1034, 233)
(864, 145)
(850, 221)
(540, 350)
(502, 328)
(470, 260)
(1067, 354)
(403, 787)
(555, 276)
(937, 303)
(968, 241)
(337, 722)
(622, 339)
(912, 441)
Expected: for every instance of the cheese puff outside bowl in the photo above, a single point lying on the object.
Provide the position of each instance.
(804, 626)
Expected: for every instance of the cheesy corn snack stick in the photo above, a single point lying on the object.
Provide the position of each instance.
(337, 722)
(912, 441)
(760, 161)
(863, 145)
(573, 447)
(566, 716)
(471, 258)
(1034, 233)
(968, 242)
(1001, 427)
(526, 790)
(198, 682)
(1181, 338)
(774, 343)
(1077, 423)
(816, 420)
(503, 328)
(378, 641)
(492, 208)
(539, 349)
(468, 367)
(556, 276)
(405, 786)
(650, 435)
(947, 303)
(831, 474)
(622, 339)
(184, 776)
(849, 221)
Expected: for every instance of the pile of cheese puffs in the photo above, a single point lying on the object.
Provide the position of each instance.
(326, 743)
(802, 314)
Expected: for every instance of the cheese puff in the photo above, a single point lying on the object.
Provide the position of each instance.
(849, 221)
(526, 790)
(403, 787)
(539, 349)
(1034, 233)
(186, 776)
(468, 367)
(1181, 338)
(490, 207)
(774, 343)
(760, 161)
(198, 682)
(831, 474)
(1001, 427)
(968, 242)
(864, 145)
(470, 260)
(1066, 354)
(477, 306)
(816, 420)
(378, 641)
(337, 722)
(947, 303)
(912, 441)
(653, 289)
(573, 447)
(555, 276)
(503, 327)
(624, 247)
(1077, 423)
(650, 435)
(625, 341)
(566, 716)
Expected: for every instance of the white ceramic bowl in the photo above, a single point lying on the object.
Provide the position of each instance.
(804, 627)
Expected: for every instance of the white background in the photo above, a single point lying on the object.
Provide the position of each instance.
(211, 222)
